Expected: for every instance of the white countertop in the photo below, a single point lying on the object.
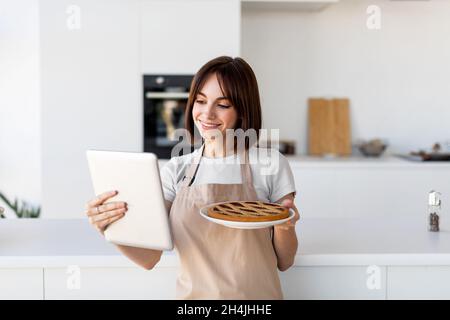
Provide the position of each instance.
(322, 242)
(354, 161)
(361, 161)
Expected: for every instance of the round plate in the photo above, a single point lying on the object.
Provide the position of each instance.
(243, 225)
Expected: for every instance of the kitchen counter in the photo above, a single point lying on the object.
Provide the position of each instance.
(361, 161)
(27, 243)
(355, 161)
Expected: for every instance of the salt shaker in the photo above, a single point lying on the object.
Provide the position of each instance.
(434, 210)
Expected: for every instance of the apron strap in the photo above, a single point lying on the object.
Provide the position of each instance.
(192, 169)
(246, 172)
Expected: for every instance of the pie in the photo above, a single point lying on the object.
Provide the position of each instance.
(248, 211)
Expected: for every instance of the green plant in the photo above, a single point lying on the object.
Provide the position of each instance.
(22, 210)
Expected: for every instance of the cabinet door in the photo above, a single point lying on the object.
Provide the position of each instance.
(180, 36)
(429, 282)
(385, 192)
(110, 283)
(364, 191)
(316, 192)
(322, 283)
(21, 284)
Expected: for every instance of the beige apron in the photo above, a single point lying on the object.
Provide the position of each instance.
(218, 262)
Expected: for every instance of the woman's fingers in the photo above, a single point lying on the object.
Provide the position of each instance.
(92, 211)
(287, 203)
(101, 215)
(296, 215)
(101, 198)
(102, 225)
(106, 215)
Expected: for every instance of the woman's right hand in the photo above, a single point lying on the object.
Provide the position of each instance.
(102, 215)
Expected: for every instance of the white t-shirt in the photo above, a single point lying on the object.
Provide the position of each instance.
(271, 173)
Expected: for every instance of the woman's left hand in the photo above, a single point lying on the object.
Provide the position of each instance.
(289, 203)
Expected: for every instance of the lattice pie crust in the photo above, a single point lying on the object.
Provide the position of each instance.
(248, 211)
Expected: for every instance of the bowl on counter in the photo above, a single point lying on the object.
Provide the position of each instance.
(372, 148)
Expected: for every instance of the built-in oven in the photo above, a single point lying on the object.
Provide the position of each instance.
(165, 100)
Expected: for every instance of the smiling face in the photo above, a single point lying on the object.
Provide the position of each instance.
(223, 96)
(212, 112)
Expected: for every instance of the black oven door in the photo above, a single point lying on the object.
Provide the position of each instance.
(165, 100)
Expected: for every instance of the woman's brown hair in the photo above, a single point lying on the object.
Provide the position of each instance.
(238, 83)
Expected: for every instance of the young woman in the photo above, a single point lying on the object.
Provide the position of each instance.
(217, 262)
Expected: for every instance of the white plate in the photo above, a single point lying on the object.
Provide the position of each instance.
(243, 225)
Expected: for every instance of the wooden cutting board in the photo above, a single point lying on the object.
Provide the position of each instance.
(329, 127)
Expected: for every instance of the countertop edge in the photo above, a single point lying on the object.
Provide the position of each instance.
(386, 161)
(170, 260)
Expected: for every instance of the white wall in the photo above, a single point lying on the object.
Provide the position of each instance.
(92, 80)
(20, 174)
(179, 36)
(397, 77)
(91, 95)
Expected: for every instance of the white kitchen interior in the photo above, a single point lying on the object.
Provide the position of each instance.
(71, 77)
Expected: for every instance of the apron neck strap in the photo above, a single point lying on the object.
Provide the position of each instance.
(246, 173)
(191, 171)
(192, 168)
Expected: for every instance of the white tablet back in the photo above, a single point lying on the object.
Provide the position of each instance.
(136, 177)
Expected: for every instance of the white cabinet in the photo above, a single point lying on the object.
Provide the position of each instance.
(298, 283)
(21, 284)
(424, 282)
(180, 36)
(334, 282)
(110, 283)
(316, 194)
(367, 191)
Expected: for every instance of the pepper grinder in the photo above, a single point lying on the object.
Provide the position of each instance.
(434, 210)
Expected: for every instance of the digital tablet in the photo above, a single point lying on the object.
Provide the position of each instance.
(136, 176)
